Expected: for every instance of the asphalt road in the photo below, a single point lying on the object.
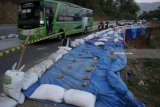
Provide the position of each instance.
(9, 43)
(34, 53)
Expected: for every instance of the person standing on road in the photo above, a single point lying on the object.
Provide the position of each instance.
(106, 24)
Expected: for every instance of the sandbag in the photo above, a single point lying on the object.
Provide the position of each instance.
(79, 98)
(29, 79)
(55, 56)
(110, 32)
(47, 63)
(89, 37)
(74, 44)
(103, 40)
(79, 41)
(62, 51)
(12, 83)
(116, 40)
(65, 48)
(49, 92)
(43, 66)
(98, 43)
(39, 70)
(21, 99)
(7, 102)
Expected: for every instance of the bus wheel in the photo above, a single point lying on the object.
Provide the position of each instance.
(61, 36)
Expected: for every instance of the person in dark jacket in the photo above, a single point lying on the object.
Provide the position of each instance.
(107, 24)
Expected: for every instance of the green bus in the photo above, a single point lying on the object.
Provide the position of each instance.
(39, 18)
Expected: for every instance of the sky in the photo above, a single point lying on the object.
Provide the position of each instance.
(147, 1)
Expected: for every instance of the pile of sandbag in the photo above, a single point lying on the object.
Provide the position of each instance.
(58, 94)
(59, 54)
(41, 68)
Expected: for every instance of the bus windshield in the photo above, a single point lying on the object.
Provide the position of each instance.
(30, 15)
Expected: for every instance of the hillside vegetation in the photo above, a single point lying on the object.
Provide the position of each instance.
(111, 9)
(103, 9)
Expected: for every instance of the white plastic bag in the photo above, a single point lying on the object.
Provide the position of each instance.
(79, 98)
(12, 83)
(47, 63)
(98, 43)
(7, 102)
(49, 92)
(29, 79)
(21, 99)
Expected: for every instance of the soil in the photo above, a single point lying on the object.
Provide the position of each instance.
(146, 70)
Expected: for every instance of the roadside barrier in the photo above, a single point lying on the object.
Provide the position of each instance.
(8, 51)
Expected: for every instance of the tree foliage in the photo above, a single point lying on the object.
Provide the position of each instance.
(117, 9)
(155, 14)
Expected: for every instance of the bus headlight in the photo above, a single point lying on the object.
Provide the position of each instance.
(41, 22)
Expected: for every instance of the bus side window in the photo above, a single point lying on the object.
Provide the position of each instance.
(52, 6)
(89, 13)
(77, 16)
(70, 11)
(62, 12)
(83, 13)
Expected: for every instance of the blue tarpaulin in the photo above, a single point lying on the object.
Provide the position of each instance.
(132, 32)
(105, 83)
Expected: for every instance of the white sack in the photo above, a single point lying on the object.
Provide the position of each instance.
(89, 37)
(98, 43)
(65, 48)
(103, 40)
(49, 92)
(21, 99)
(12, 84)
(7, 102)
(79, 98)
(74, 44)
(43, 66)
(55, 56)
(79, 41)
(47, 63)
(62, 51)
(39, 70)
(110, 32)
(29, 79)
(116, 40)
